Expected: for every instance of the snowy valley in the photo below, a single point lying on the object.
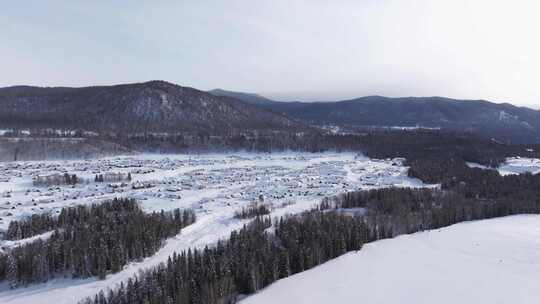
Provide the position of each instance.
(214, 185)
(217, 186)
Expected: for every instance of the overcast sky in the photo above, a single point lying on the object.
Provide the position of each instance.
(288, 49)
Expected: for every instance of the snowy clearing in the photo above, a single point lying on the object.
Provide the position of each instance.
(214, 185)
(489, 261)
(10, 244)
(476, 165)
(513, 165)
(518, 165)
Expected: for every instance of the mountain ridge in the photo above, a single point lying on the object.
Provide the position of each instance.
(503, 121)
(153, 106)
(162, 107)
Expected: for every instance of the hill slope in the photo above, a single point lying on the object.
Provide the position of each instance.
(502, 121)
(154, 106)
(488, 261)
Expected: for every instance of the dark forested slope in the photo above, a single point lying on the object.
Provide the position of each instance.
(139, 108)
(504, 122)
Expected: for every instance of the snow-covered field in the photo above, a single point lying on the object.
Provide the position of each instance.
(489, 261)
(514, 165)
(518, 165)
(214, 185)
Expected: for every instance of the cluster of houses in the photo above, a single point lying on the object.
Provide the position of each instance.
(30, 187)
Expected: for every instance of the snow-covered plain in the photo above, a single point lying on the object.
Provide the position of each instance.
(489, 261)
(513, 165)
(214, 185)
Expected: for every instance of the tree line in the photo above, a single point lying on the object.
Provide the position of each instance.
(34, 225)
(376, 143)
(249, 260)
(112, 177)
(394, 211)
(254, 257)
(56, 179)
(254, 209)
(89, 241)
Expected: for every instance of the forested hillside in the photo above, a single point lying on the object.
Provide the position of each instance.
(87, 241)
(505, 122)
(154, 107)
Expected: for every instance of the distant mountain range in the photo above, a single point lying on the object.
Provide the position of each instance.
(154, 106)
(503, 122)
(162, 107)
